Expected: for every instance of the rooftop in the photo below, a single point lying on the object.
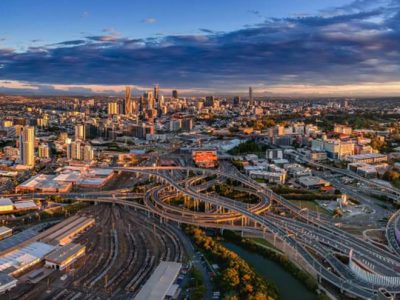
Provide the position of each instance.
(159, 283)
(62, 254)
(23, 257)
(5, 202)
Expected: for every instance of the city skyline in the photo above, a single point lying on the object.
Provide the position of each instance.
(335, 48)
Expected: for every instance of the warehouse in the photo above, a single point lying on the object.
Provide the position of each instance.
(5, 232)
(6, 205)
(63, 257)
(66, 234)
(45, 184)
(160, 282)
(17, 261)
(312, 182)
(7, 282)
(24, 205)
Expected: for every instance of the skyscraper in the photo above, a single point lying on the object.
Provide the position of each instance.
(251, 96)
(156, 92)
(128, 101)
(74, 150)
(88, 153)
(27, 146)
(43, 151)
(236, 100)
(113, 108)
(175, 94)
(80, 132)
(149, 99)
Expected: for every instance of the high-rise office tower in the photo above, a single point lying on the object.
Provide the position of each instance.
(112, 108)
(27, 146)
(80, 132)
(156, 92)
(251, 96)
(236, 100)
(175, 94)
(209, 101)
(88, 153)
(44, 151)
(161, 101)
(149, 99)
(74, 150)
(128, 101)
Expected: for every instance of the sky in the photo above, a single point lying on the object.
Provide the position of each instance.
(279, 47)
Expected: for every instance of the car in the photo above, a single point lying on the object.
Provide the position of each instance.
(65, 276)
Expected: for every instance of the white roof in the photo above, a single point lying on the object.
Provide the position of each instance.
(24, 256)
(4, 229)
(5, 202)
(157, 286)
(26, 204)
(100, 172)
(72, 176)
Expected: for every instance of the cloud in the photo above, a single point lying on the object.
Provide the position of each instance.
(255, 12)
(150, 20)
(208, 31)
(358, 46)
(85, 14)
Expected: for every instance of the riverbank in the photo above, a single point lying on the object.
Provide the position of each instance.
(234, 277)
(247, 246)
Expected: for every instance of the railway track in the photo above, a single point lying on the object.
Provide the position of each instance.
(116, 264)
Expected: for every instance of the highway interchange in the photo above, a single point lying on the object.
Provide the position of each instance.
(313, 242)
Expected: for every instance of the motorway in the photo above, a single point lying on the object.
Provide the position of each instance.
(311, 238)
(318, 246)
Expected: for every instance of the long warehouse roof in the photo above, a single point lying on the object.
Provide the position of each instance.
(157, 286)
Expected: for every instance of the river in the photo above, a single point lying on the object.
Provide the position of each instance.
(289, 287)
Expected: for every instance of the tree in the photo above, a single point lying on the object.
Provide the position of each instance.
(231, 277)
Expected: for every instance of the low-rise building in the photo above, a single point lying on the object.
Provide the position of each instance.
(19, 260)
(6, 205)
(363, 169)
(205, 158)
(23, 205)
(64, 256)
(296, 170)
(5, 232)
(312, 182)
(45, 184)
(7, 282)
(159, 283)
(271, 177)
(368, 158)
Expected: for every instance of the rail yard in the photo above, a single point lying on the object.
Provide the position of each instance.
(122, 249)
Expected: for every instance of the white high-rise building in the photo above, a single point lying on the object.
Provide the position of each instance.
(43, 151)
(27, 146)
(74, 151)
(80, 133)
(88, 153)
(113, 108)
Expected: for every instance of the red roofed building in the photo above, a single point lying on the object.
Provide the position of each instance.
(205, 158)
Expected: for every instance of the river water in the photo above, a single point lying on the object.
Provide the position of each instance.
(289, 287)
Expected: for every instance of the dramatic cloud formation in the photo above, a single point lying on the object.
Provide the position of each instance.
(354, 44)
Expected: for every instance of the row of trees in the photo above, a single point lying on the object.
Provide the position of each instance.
(228, 191)
(393, 176)
(248, 147)
(303, 194)
(196, 285)
(237, 280)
